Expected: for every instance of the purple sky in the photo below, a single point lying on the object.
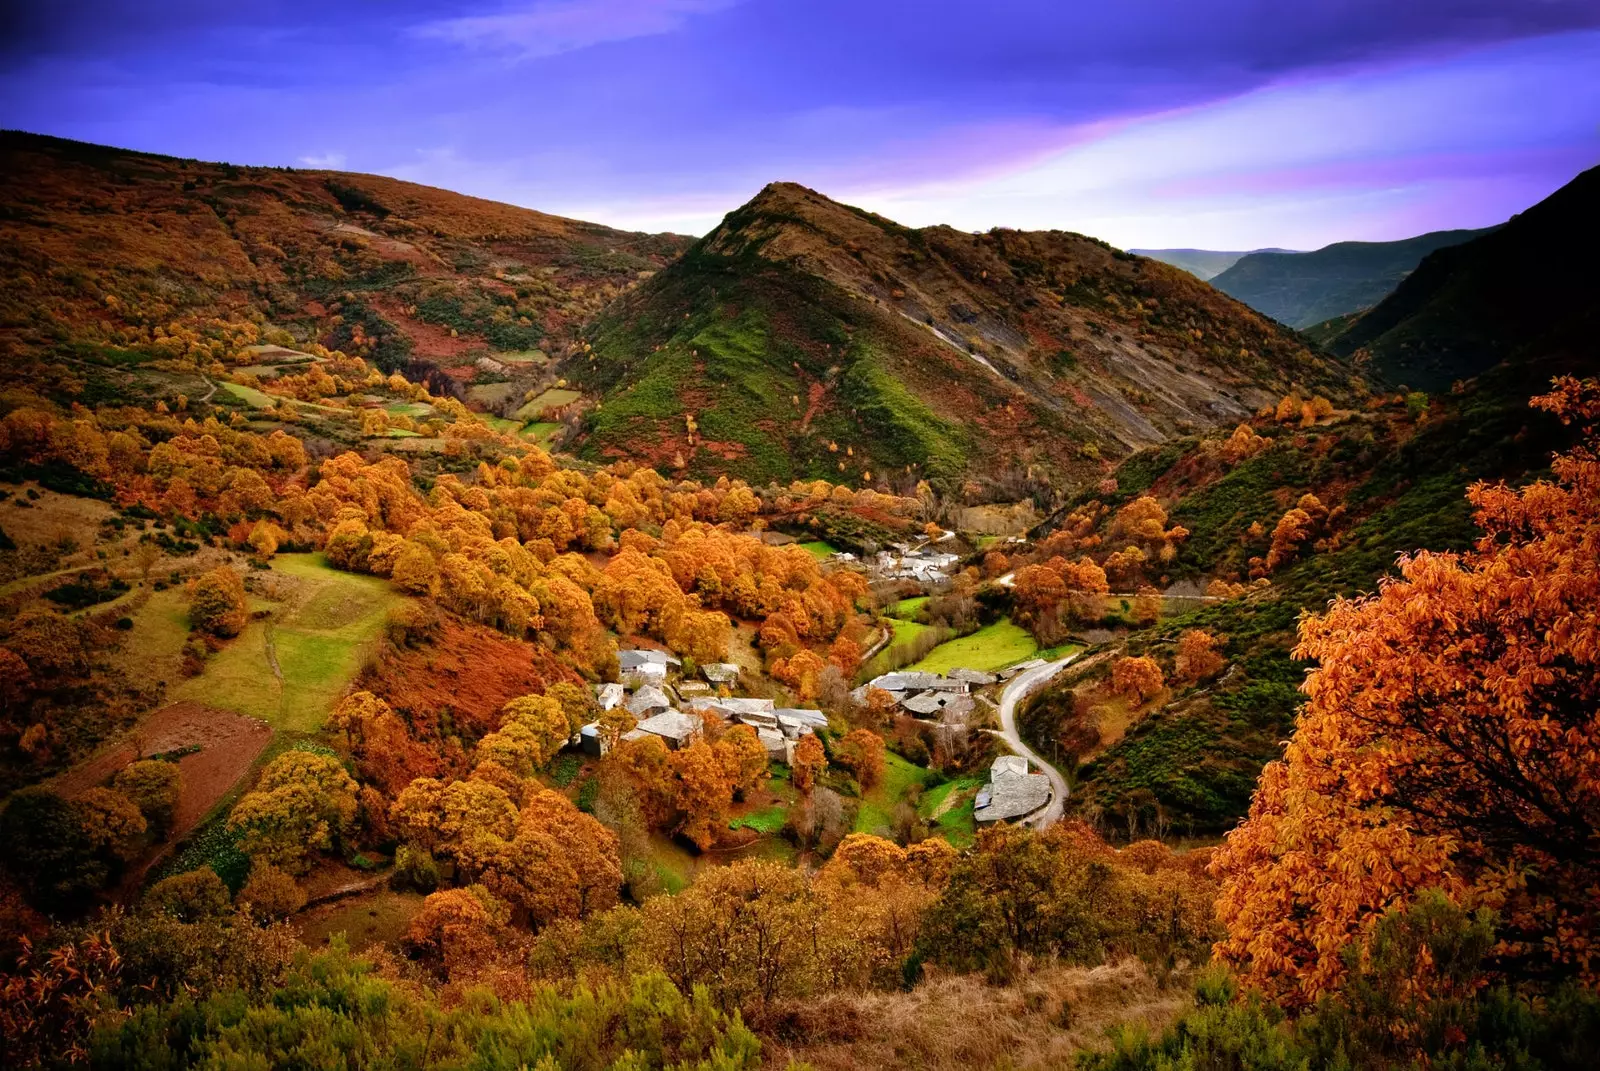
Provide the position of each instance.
(1226, 124)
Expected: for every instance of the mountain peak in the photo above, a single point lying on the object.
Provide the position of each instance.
(802, 329)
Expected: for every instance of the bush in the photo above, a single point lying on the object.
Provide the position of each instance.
(415, 868)
(190, 897)
(270, 895)
(217, 604)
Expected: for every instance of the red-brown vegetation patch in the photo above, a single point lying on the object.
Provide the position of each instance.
(228, 743)
(468, 670)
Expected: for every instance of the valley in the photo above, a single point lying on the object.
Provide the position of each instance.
(823, 643)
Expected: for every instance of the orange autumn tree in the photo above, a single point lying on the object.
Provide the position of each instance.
(1136, 678)
(861, 752)
(1197, 656)
(1449, 741)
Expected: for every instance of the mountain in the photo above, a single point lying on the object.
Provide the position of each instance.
(96, 242)
(806, 338)
(1200, 263)
(1525, 292)
(1302, 289)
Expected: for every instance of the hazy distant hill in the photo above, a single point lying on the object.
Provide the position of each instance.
(1201, 263)
(807, 338)
(1526, 291)
(1302, 289)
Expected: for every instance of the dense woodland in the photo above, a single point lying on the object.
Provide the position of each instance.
(297, 641)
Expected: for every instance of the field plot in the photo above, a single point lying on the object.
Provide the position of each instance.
(553, 398)
(991, 647)
(379, 918)
(820, 549)
(291, 667)
(491, 393)
(902, 782)
(250, 395)
(542, 432)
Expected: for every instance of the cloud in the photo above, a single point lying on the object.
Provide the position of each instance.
(556, 26)
(325, 160)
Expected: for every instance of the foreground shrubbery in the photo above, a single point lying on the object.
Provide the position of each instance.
(332, 1010)
(1382, 1018)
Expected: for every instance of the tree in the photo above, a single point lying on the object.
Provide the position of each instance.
(458, 929)
(155, 788)
(415, 570)
(1197, 656)
(702, 793)
(861, 752)
(1448, 742)
(113, 823)
(48, 852)
(303, 803)
(810, 761)
(1292, 530)
(743, 758)
(575, 844)
(217, 603)
(800, 672)
(532, 730)
(1136, 678)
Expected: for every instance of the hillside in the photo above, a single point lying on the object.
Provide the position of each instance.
(105, 247)
(803, 337)
(1517, 292)
(1201, 263)
(1302, 289)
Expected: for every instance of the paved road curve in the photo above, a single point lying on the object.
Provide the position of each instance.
(1017, 689)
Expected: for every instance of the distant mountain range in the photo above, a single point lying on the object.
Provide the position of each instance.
(1523, 293)
(1201, 263)
(1302, 289)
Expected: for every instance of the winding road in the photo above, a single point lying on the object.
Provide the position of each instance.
(1017, 689)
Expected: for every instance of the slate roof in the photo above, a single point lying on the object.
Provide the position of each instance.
(648, 699)
(1012, 792)
(633, 658)
(672, 725)
(720, 672)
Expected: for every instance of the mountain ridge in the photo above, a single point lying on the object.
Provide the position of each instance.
(1305, 289)
(1016, 351)
(1515, 293)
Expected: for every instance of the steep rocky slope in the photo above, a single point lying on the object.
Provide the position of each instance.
(101, 245)
(1302, 289)
(804, 337)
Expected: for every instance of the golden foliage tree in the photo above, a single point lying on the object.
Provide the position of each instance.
(217, 603)
(303, 803)
(861, 752)
(1197, 656)
(810, 761)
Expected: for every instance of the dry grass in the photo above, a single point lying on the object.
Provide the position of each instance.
(960, 1023)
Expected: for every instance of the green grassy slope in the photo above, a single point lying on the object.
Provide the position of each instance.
(1195, 759)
